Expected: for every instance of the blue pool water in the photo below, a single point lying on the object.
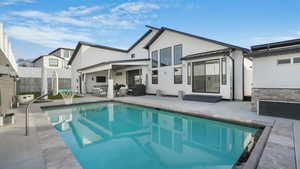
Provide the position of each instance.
(114, 135)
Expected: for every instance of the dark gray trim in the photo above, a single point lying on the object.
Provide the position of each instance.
(116, 61)
(140, 39)
(272, 52)
(206, 54)
(152, 27)
(276, 44)
(155, 37)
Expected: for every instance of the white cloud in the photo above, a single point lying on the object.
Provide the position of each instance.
(79, 11)
(50, 18)
(64, 28)
(11, 2)
(47, 36)
(135, 7)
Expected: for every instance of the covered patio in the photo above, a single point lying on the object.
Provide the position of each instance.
(101, 78)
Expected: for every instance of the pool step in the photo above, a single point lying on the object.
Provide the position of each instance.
(202, 98)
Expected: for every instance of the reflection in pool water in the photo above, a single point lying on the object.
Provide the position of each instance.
(113, 135)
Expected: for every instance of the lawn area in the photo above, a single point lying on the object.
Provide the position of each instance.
(51, 97)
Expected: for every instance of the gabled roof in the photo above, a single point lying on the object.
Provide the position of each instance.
(276, 44)
(111, 48)
(275, 51)
(38, 58)
(80, 43)
(110, 62)
(163, 29)
(59, 49)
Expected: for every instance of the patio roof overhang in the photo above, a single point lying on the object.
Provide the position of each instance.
(114, 65)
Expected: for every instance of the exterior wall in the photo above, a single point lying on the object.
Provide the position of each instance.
(275, 82)
(44, 61)
(248, 77)
(190, 46)
(7, 91)
(279, 94)
(91, 80)
(88, 56)
(139, 50)
(278, 76)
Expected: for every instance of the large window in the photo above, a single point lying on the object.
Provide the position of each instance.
(206, 76)
(165, 57)
(100, 79)
(53, 62)
(154, 56)
(177, 54)
(154, 77)
(189, 71)
(224, 70)
(177, 75)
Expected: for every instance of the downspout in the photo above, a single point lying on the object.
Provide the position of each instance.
(232, 61)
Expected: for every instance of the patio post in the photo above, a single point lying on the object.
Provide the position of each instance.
(110, 82)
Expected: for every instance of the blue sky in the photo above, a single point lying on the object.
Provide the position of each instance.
(36, 27)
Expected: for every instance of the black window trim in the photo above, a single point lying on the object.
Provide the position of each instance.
(219, 92)
(180, 67)
(160, 57)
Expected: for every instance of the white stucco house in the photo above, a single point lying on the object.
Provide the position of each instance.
(57, 59)
(276, 68)
(169, 61)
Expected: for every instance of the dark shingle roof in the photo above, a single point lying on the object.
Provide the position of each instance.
(276, 45)
(155, 37)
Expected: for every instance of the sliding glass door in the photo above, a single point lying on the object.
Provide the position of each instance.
(206, 76)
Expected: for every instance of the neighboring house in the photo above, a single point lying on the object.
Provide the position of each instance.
(24, 63)
(169, 61)
(57, 59)
(8, 73)
(276, 68)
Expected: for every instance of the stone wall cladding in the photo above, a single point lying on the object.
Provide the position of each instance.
(277, 94)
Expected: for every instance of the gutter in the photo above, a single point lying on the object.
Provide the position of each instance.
(232, 61)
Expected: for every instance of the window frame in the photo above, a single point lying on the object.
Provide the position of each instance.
(298, 62)
(99, 81)
(189, 73)
(154, 76)
(174, 54)
(278, 60)
(223, 74)
(181, 80)
(160, 57)
(51, 64)
(152, 60)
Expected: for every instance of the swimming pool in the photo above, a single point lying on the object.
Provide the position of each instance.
(113, 135)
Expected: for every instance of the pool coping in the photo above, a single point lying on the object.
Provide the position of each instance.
(66, 156)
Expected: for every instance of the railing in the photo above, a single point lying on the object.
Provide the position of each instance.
(27, 113)
(5, 47)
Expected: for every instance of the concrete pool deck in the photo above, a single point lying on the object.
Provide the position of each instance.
(18, 151)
